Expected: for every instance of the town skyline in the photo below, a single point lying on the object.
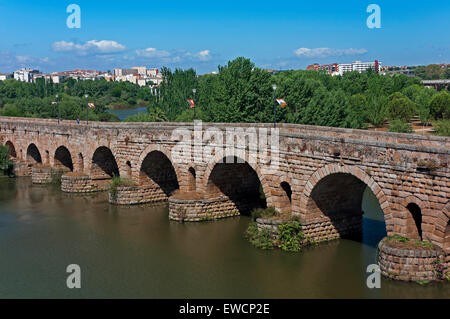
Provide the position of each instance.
(156, 35)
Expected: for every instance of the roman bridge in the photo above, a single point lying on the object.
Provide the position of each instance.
(320, 174)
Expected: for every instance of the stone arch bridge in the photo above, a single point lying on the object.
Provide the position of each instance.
(320, 175)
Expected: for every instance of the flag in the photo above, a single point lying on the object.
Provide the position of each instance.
(191, 103)
(282, 102)
(91, 105)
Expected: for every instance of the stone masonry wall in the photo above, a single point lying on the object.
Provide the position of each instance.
(135, 195)
(193, 210)
(408, 264)
(21, 169)
(326, 228)
(46, 175)
(77, 184)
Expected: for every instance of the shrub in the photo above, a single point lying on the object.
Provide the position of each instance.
(264, 213)
(442, 127)
(400, 126)
(291, 236)
(260, 239)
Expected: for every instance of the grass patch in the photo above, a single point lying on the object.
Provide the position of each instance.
(404, 242)
(264, 213)
(118, 181)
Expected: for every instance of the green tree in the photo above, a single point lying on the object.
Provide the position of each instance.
(5, 162)
(376, 110)
(400, 107)
(440, 105)
(356, 115)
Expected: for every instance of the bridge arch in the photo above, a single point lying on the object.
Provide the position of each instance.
(63, 158)
(103, 164)
(152, 148)
(285, 199)
(12, 149)
(335, 192)
(414, 210)
(158, 171)
(192, 179)
(237, 180)
(33, 154)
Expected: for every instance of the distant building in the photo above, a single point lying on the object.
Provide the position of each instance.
(138, 75)
(359, 66)
(25, 75)
(125, 72)
(315, 67)
(141, 70)
(398, 70)
(329, 68)
(5, 76)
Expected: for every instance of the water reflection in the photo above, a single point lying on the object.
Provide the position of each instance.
(136, 252)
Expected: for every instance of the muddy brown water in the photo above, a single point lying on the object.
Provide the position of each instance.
(136, 252)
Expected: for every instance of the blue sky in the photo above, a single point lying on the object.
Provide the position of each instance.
(205, 34)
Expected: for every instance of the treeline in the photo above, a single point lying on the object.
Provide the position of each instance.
(240, 92)
(432, 72)
(38, 99)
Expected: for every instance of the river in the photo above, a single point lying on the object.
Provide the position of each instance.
(136, 252)
(123, 113)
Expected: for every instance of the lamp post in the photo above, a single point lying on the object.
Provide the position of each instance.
(195, 106)
(59, 111)
(274, 87)
(87, 109)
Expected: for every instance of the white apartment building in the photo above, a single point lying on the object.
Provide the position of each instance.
(359, 66)
(25, 74)
(141, 70)
(5, 76)
(139, 75)
(125, 72)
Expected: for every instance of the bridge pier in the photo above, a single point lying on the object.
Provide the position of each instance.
(21, 168)
(74, 182)
(187, 208)
(47, 175)
(136, 195)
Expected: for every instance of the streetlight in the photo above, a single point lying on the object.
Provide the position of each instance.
(274, 87)
(194, 91)
(87, 109)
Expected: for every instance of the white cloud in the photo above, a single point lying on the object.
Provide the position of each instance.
(90, 47)
(174, 56)
(327, 52)
(204, 55)
(152, 53)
